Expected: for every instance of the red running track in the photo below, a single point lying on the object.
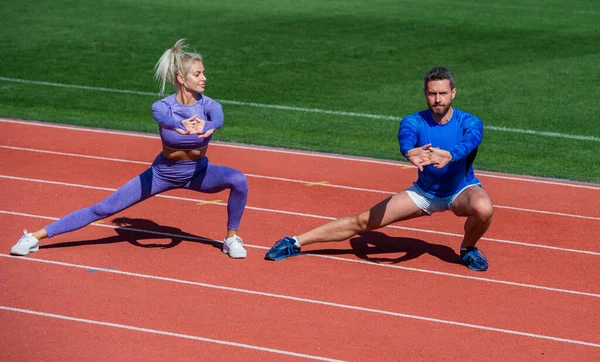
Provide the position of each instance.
(158, 288)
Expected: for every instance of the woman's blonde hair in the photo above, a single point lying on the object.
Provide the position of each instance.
(177, 60)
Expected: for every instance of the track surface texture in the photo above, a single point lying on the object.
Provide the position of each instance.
(151, 283)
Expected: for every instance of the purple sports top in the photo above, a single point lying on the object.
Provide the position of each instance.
(169, 113)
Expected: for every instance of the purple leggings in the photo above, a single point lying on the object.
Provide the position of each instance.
(163, 175)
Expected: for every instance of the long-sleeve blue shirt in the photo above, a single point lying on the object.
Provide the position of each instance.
(460, 136)
(169, 113)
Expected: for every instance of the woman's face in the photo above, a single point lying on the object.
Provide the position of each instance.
(195, 79)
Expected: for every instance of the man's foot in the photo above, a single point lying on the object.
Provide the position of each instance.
(26, 244)
(473, 258)
(234, 247)
(282, 249)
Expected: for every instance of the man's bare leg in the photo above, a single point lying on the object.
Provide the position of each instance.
(393, 209)
(476, 205)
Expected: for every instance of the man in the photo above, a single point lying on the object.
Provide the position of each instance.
(442, 142)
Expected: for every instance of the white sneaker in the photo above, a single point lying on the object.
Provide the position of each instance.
(26, 244)
(234, 247)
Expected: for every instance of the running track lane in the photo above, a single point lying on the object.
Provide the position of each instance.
(550, 272)
(313, 281)
(118, 250)
(391, 176)
(341, 333)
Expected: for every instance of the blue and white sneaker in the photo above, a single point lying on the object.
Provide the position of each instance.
(474, 259)
(282, 249)
(26, 244)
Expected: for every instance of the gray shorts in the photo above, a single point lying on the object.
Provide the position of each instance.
(431, 204)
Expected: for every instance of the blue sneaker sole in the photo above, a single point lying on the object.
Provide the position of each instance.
(278, 258)
(481, 269)
(275, 259)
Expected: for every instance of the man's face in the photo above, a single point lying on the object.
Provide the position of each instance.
(439, 96)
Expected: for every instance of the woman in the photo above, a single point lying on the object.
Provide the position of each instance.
(186, 120)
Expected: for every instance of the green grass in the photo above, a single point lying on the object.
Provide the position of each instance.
(520, 64)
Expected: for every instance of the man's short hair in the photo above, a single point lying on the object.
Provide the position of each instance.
(439, 73)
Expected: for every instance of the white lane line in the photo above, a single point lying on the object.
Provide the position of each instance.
(314, 183)
(314, 301)
(78, 155)
(529, 179)
(364, 262)
(164, 333)
(553, 213)
(298, 109)
(541, 181)
(314, 216)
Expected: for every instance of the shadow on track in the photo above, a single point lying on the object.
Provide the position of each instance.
(134, 231)
(369, 245)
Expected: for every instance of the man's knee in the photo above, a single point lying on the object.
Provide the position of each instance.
(360, 223)
(482, 207)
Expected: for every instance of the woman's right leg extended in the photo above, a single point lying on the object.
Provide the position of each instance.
(134, 191)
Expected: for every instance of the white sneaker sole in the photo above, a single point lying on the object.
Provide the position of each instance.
(23, 251)
(235, 255)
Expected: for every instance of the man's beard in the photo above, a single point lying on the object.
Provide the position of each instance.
(440, 111)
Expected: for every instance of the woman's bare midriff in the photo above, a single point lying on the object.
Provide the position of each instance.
(183, 155)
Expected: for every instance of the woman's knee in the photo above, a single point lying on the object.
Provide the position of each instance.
(239, 182)
(102, 210)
